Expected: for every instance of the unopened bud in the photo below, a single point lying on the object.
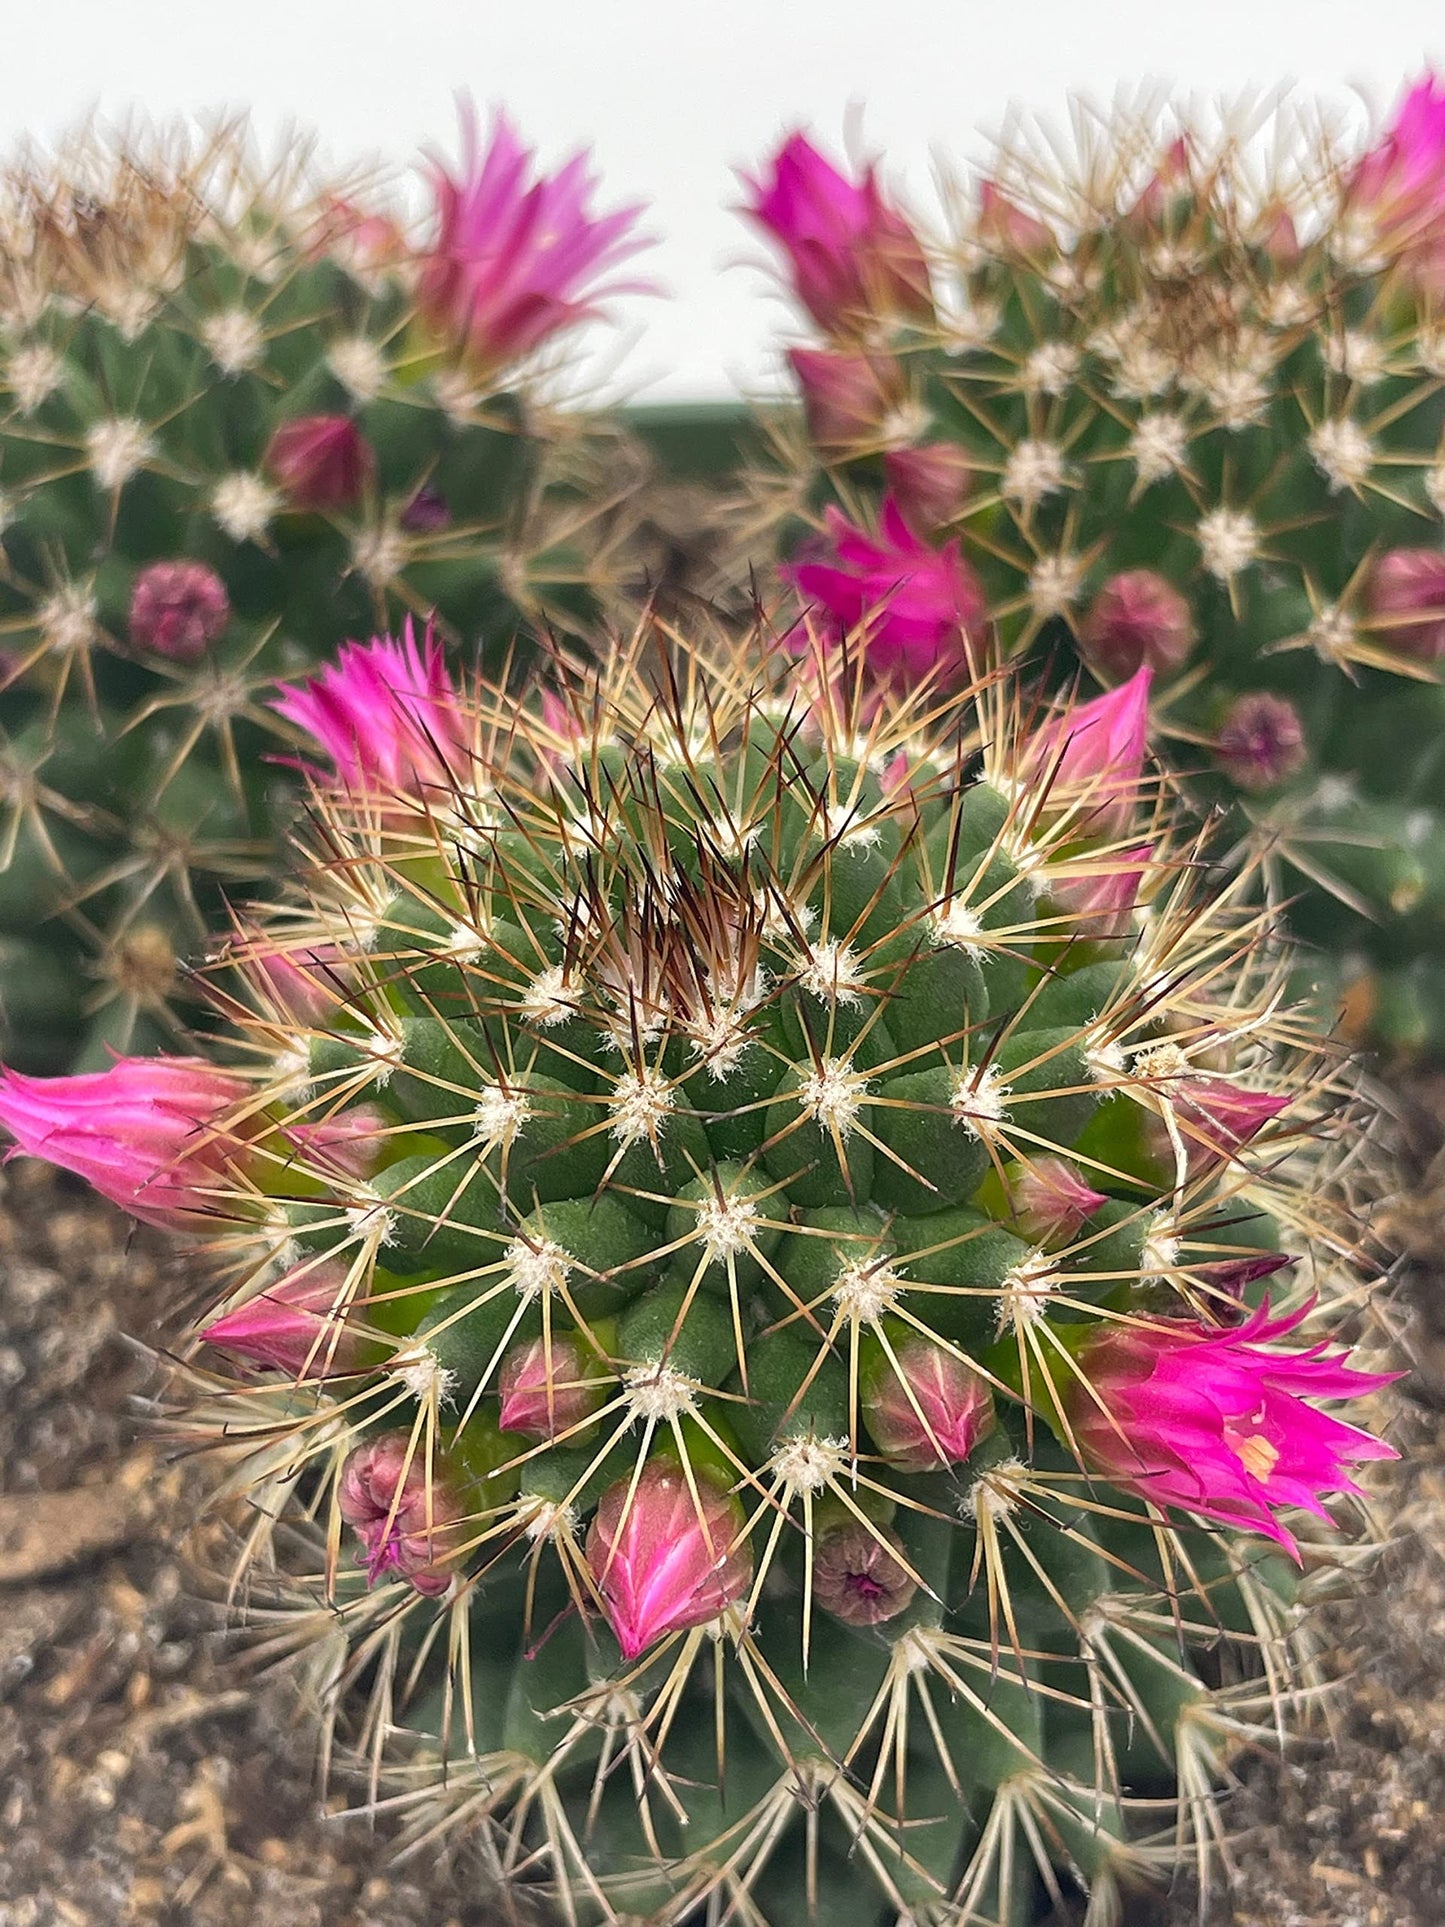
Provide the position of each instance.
(427, 513)
(858, 1576)
(930, 484)
(349, 1144)
(924, 1407)
(666, 1553)
(406, 1514)
(1051, 1200)
(178, 609)
(1006, 225)
(299, 1325)
(845, 396)
(1137, 620)
(321, 462)
(547, 1388)
(1261, 741)
(1407, 602)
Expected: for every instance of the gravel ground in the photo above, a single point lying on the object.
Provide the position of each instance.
(139, 1782)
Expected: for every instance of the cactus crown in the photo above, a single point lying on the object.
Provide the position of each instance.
(723, 1150)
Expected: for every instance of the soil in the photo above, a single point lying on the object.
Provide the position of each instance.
(141, 1781)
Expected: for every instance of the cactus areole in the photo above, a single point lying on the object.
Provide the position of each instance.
(792, 1359)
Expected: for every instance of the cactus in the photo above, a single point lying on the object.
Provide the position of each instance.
(1181, 405)
(778, 1250)
(245, 415)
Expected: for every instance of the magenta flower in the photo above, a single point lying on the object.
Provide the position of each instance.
(1218, 1423)
(925, 1408)
(146, 1133)
(408, 1523)
(178, 609)
(664, 1561)
(918, 610)
(1401, 181)
(1051, 1201)
(514, 257)
(320, 462)
(547, 1389)
(1407, 602)
(852, 256)
(1261, 741)
(299, 1326)
(1097, 750)
(1138, 620)
(387, 714)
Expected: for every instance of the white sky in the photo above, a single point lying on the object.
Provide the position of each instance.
(673, 94)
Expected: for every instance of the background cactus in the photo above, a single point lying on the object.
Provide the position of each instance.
(1177, 403)
(756, 1229)
(244, 415)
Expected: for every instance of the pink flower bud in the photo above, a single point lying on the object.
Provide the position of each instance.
(1261, 741)
(1092, 756)
(146, 1133)
(1225, 1283)
(1217, 1423)
(408, 1523)
(1138, 620)
(927, 1410)
(304, 983)
(1100, 893)
(1051, 1201)
(852, 256)
(387, 714)
(1276, 233)
(857, 1576)
(321, 462)
(178, 609)
(929, 483)
(1400, 182)
(299, 1326)
(427, 513)
(845, 396)
(370, 241)
(1005, 225)
(916, 611)
(348, 1145)
(514, 257)
(1407, 602)
(1218, 1118)
(1171, 178)
(547, 1389)
(664, 1561)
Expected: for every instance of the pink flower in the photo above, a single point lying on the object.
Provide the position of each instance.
(146, 1133)
(925, 1408)
(1401, 181)
(1097, 750)
(408, 1523)
(514, 257)
(859, 1575)
(178, 609)
(298, 1325)
(845, 396)
(1051, 1201)
(348, 1145)
(1005, 224)
(1261, 741)
(387, 714)
(1137, 620)
(1099, 893)
(320, 462)
(1218, 1423)
(666, 1561)
(919, 609)
(852, 255)
(929, 483)
(1407, 602)
(547, 1389)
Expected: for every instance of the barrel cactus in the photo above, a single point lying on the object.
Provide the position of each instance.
(1177, 404)
(245, 414)
(779, 1261)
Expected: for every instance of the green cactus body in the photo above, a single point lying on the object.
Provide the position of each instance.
(161, 318)
(1207, 410)
(707, 1079)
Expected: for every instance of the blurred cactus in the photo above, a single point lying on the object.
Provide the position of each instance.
(744, 1252)
(244, 415)
(1180, 407)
